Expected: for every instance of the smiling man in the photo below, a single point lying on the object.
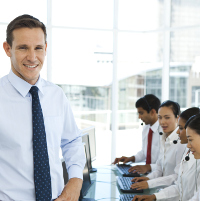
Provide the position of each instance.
(36, 121)
(147, 108)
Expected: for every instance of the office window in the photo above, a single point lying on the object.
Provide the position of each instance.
(80, 57)
(184, 54)
(5, 67)
(79, 13)
(140, 15)
(11, 8)
(140, 59)
(185, 45)
(185, 13)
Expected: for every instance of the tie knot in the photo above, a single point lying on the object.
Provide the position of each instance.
(33, 90)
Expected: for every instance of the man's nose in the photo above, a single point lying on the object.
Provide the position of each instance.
(31, 56)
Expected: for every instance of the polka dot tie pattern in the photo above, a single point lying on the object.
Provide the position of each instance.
(42, 176)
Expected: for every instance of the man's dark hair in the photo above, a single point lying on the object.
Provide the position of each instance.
(173, 105)
(23, 21)
(148, 102)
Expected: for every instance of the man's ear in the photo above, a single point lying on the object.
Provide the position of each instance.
(46, 49)
(153, 112)
(7, 48)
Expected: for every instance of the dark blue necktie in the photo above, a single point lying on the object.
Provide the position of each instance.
(42, 176)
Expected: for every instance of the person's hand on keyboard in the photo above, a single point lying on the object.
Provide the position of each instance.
(123, 159)
(140, 185)
(138, 179)
(144, 198)
(140, 169)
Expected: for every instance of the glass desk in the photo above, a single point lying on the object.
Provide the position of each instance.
(105, 184)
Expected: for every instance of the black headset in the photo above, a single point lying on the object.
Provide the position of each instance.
(187, 158)
(149, 107)
(175, 141)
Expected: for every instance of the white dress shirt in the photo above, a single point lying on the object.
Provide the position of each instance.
(184, 187)
(196, 196)
(169, 158)
(16, 149)
(155, 146)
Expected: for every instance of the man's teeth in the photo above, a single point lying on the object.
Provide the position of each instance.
(30, 66)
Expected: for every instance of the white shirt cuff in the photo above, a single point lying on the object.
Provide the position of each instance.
(74, 171)
(153, 167)
(150, 183)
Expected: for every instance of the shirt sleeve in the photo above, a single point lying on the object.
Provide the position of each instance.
(168, 193)
(153, 167)
(71, 145)
(158, 170)
(164, 181)
(196, 197)
(140, 156)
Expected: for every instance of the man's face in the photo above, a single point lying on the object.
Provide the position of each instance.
(27, 54)
(144, 115)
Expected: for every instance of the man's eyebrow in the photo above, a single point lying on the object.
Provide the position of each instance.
(39, 45)
(22, 45)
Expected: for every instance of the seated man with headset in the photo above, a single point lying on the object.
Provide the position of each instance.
(147, 108)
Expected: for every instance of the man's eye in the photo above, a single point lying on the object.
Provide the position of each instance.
(39, 48)
(22, 48)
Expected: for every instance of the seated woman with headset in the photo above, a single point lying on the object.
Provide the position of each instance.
(171, 154)
(193, 136)
(184, 187)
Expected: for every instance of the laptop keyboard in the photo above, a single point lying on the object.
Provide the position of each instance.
(126, 197)
(123, 169)
(125, 183)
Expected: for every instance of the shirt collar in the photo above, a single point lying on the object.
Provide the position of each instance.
(155, 126)
(173, 136)
(21, 85)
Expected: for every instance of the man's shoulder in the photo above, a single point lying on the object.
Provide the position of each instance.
(145, 129)
(4, 80)
(50, 85)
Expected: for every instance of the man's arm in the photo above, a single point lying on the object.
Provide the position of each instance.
(140, 169)
(71, 191)
(124, 159)
(73, 154)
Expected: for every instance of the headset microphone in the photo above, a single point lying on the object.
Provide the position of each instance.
(187, 158)
(175, 141)
(160, 133)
